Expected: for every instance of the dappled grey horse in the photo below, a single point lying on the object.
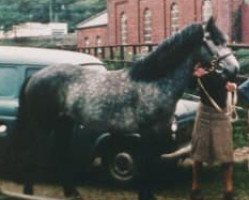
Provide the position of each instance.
(140, 99)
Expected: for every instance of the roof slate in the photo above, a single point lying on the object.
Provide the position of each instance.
(99, 19)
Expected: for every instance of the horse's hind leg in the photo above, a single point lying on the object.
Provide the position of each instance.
(29, 152)
(28, 181)
(63, 139)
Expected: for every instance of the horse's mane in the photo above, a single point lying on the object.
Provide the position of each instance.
(169, 54)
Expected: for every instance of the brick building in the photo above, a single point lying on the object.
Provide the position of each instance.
(93, 31)
(150, 21)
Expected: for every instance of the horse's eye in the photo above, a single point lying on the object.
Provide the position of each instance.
(219, 69)
(208, 37)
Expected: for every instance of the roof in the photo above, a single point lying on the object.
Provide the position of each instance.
(42, 56)
(99, 19)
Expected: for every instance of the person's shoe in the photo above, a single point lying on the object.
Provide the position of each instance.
(196, 195)
(229, 196)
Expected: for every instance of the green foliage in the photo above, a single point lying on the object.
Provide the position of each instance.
(243, 57)
(113, 65)
(240, 136)
(241, 130)
(80, 10)
(9, 14)
(13, 12)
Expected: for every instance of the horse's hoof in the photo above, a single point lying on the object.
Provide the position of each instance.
(72, 194)
(146, 195)
(77, 197)
(28, 190)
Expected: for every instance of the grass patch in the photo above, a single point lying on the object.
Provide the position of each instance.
(212, 185)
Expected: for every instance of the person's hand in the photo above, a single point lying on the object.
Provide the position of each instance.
(230, 86)
(199, 71)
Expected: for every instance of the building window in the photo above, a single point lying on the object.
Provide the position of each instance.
(174, 17)
(147, 33)
(98, 41)
(99, 44)
(87, 42)
(123, 28)
(207, 10)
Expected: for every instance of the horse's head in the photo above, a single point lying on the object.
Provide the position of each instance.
(215, 55)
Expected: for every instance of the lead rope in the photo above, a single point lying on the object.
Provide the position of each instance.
(231, 101)
(212, 101)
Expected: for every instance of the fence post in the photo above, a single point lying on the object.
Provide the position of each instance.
(134, 50)
(122, 57)
(103, 52)
(111, 53)
(95, 50)
(150, 47)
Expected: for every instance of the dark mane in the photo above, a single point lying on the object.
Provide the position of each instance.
(169, 54)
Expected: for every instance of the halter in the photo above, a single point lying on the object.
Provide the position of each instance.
(217, 58)
(214, 63)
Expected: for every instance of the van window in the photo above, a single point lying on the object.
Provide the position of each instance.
(9, 81)
(31, 71)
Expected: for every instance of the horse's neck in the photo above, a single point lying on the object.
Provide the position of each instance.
(177, 81)
(169, 55)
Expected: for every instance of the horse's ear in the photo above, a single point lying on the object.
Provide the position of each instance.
(209, 24)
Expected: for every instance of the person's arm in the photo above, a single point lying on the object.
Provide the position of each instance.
(231, 86)
(198, 73)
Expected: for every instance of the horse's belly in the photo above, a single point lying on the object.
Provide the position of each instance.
(127, 125)
(124, 122)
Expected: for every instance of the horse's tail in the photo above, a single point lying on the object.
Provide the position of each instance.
(22, 110)
(19, 139)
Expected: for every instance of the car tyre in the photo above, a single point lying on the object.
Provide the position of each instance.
(122, 166)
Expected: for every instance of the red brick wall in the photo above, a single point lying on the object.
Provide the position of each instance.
(92, 34)
(115, 9)
(236, 4)
(134, 10)
(158, 19)
(224, 16)
(185, 6)
(190, 10)
(244, 23)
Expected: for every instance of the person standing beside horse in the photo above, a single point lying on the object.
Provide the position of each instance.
(212, 133)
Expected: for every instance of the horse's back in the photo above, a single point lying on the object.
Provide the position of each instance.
(47, 90)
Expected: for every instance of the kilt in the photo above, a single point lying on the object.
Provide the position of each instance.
(212, 136)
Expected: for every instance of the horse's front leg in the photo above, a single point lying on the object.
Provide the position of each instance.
(28, 186)
(146, 171)
(145, 181)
